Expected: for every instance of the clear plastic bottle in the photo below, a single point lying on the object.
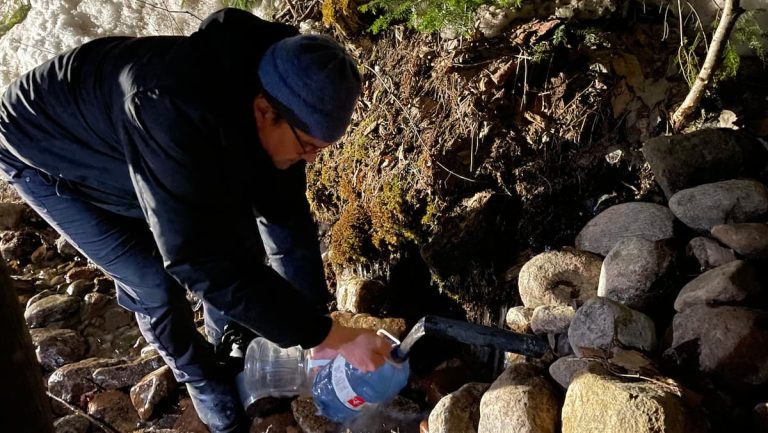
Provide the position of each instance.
(341, 391)
(271, 371)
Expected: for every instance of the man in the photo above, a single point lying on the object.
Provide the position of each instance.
(173, 163)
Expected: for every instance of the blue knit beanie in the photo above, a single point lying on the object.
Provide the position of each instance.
(313, 82)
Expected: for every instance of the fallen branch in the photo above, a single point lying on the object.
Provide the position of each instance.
(731, 13)
(106, 427)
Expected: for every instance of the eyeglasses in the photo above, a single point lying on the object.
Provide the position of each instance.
(306, 148)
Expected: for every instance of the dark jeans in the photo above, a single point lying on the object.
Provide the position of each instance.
(124, 248)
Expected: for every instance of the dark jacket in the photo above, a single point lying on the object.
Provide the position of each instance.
(162, 128)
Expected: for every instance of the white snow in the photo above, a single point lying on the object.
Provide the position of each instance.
(54, 26)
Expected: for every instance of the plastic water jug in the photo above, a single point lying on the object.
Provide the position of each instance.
(341, 391)
(271, 371)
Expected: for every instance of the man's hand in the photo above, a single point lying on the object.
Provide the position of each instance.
(362, 348)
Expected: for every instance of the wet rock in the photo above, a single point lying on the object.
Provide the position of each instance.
(189, 422)
(114, 408)
(394, 326)
(277, 423)
(632, 272)
(19, 245)
(151, 390)
(443, 380)
(552, 319)
(80, 288)
(11, 215)
(72, 424)
(121, 376)
(709, 155)
(732, 201)
(734, 283)
(584, 9)
(56, 347)
(709, 253)
(609, 404)
(601, 323)
(760, 415)
(104, 285)
(102, 312)
(481, 228)
(491, 20)
(359, 295)
(627, 220)
(400, 414)
(748, 239)
(84, 273)
(73, 380)
(458, 412)
(520, 400)
(565, 369)
(305, 413)
(730, 343)
(51, 309)
(44, 294)
(65, 249)
(559, 277)
(518, 319)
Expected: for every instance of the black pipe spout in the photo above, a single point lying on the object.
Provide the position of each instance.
(469, 333)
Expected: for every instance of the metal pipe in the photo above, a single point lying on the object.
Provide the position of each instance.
(469, 333)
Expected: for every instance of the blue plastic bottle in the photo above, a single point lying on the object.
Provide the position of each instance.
(341, 391)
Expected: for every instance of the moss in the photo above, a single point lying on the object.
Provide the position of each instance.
(246, 5)
(17, 16)
(349, 239)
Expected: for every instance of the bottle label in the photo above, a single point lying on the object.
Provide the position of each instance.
(342, 387)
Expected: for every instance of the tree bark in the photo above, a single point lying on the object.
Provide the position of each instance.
(24, 407)
(731, 12)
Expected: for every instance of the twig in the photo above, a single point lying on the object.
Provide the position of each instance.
(170, 10)
(106, 427)
(397, 101)
(453, 173)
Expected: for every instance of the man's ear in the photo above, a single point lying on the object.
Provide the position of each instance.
(262, 109)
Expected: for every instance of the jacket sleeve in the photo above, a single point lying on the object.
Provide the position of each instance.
(202, 220)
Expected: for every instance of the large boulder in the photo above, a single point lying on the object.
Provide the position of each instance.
(73, 380)
(518, 319)
(708, 155)
(632, 272)
(731, 201)
(521, 400)
(730, 343)
(359, 295)
(56, 347)
(602, 324)
(734, 283)
(748, 239)
(458, 412)
(709, 253)
(565, 369)
(648, 221)
(605, 403)
(558, 278)
(552, 319)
